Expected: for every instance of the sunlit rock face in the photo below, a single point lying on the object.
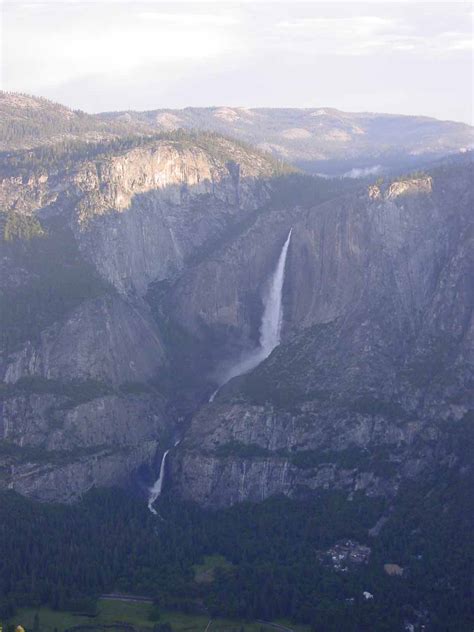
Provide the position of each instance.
(139, 215)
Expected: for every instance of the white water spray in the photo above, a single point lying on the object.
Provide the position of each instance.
(157, 488)
(270, 329)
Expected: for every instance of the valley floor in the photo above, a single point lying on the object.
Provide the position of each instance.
(114, 614)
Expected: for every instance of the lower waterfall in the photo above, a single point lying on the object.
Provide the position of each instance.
(155, 491)
(270, 328)
(157, 488)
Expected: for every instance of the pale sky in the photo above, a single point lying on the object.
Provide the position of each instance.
(400, 57)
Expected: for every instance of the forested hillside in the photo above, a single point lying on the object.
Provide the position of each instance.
(273, 562)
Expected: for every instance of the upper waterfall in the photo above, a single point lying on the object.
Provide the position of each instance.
(270, 328)
(272, 319)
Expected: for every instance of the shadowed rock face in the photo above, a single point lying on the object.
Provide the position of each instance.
(372, 382)
(76, 410)
(105, 339)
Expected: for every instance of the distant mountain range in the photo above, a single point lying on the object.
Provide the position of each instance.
(316, 139)
(319, 138)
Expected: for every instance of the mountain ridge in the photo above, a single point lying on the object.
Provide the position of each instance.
(315, 139)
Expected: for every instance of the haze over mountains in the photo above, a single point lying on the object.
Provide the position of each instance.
(320, 137)
(135, 262)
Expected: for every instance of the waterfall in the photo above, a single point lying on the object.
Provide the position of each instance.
(157, 488)
(270, 331)
(272, 319)
(155, 491)
(270, 328)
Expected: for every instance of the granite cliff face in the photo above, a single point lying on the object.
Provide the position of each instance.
(133, 274)
(143, 214)
(164, 196)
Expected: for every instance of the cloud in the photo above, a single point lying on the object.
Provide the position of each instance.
(191, 20)
(32, 6)
(77, 45)
(363, 172)
(365, 35)
(108, 54)
(337, 35)
(360, 24)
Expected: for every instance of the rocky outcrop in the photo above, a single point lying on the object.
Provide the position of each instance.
(105, 339)
(66, 479)
(410, 186)
(160, 205)
(60, 438)
(26, 195)
(179, 169)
